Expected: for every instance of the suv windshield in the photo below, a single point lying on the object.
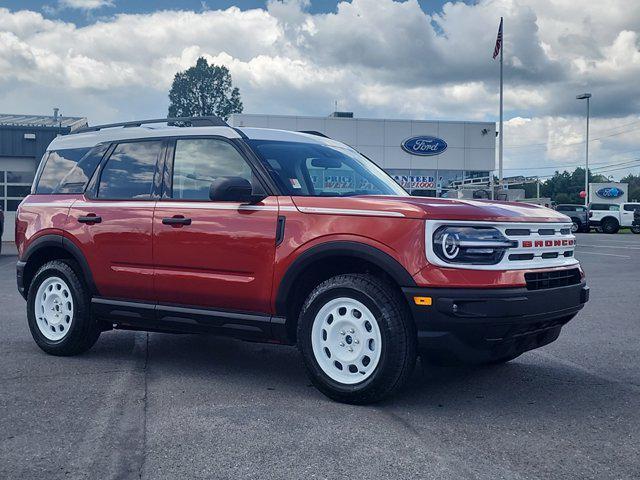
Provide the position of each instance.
(311, 169)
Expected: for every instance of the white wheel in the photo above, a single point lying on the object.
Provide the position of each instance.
(54, 308)
(346, 340)
(574, 227)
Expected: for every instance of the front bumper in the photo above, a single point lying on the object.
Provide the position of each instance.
(485, 324)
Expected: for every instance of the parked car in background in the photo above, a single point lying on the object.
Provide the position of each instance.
(285, 237)
(610, 217)
(579, 215)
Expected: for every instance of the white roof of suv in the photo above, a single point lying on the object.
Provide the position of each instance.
(92, 138)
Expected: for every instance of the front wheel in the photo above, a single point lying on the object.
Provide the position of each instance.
(58, 310)
(357, 339)
(635, 229)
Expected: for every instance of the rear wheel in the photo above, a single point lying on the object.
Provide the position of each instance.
(356, 338)
(58, 310)
(610, 225)
(635, 229)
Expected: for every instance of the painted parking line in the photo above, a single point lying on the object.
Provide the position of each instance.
(591, 238)
(626, 247)
(605, 254)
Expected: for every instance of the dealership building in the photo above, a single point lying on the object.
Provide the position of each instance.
(427, 157)
(23, 141)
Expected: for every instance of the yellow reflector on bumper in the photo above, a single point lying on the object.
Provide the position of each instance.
(422, 300)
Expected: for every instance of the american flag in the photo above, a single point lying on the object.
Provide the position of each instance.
(498, 46)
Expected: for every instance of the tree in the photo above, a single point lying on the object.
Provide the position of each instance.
(634, 186)
(204, 90)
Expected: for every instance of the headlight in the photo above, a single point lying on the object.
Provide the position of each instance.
(470, 245)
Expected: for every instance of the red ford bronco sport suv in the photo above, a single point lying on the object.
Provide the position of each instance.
(283, 237)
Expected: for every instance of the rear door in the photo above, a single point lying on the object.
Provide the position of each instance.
(217, 255)
(113, 222)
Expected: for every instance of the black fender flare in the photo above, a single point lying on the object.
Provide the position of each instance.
(59, 241)
(344, 249)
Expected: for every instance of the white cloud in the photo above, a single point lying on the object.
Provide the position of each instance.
(376, 57)
(85, 4)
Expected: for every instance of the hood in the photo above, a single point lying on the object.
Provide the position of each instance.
(437, 208)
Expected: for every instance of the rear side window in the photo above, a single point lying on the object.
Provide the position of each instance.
(630, 207)
(130, 170)
(58, 165)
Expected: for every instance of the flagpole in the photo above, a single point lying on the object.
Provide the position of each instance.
(501, 125)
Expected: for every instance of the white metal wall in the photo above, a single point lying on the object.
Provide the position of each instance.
(471, 145)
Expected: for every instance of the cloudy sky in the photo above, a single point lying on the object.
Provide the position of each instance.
(113, 60)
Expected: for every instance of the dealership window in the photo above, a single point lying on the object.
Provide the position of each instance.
(472, 174)
(446, 180)
(14, 186)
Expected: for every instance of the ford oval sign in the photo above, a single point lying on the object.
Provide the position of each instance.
(610, 192)
(424, 145)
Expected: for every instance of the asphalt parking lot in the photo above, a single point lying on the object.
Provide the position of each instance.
(159, 406)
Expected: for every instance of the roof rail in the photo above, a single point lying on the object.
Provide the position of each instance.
(211, 121)
(314, 132)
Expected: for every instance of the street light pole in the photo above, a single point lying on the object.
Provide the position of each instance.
(586, 96)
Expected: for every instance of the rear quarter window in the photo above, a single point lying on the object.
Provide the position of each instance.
(68, 171)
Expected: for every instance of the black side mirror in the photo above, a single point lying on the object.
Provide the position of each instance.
(232, 189)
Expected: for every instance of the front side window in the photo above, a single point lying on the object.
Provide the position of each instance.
(310, 169)
(130, 170)
(198, 162)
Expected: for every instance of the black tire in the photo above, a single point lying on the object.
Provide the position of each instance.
(84, 330)
(576, 226)
(398, 337)
(635, 229)
(610, 225)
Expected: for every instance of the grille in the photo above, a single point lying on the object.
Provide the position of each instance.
(554, 279)
(533, 245)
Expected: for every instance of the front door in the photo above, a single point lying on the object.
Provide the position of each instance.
(209, 254)
(113, 224)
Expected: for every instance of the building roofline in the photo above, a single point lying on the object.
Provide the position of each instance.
(45, 122)
(316, 117)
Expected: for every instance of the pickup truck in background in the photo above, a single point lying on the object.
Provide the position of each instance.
(609, 217)
(579, 215)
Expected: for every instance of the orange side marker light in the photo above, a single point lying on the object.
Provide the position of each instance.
(426, 301)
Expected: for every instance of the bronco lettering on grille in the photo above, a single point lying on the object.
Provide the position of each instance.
(546, 243)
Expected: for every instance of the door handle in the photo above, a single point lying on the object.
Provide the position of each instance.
(90, 219)
(176, 221)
